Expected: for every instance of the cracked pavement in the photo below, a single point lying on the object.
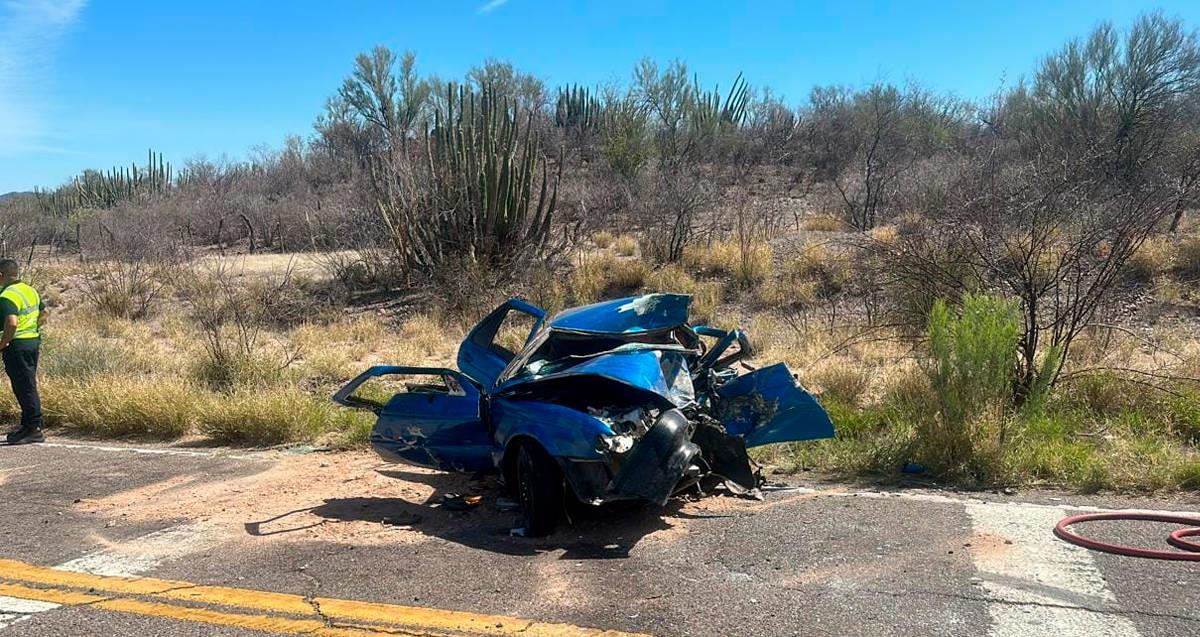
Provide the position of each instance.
(821, 559)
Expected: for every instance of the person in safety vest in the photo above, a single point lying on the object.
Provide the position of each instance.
(23, 313)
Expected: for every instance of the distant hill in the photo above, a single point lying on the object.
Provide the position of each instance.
(12, 195)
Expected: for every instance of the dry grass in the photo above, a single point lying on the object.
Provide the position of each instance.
(270, 418)
(604, 276)
(748, 264)
(706, 295)
(1187, 256)
(824, 223)
(625, 245)
(603, 239)
(119, 405)
(1151, 259)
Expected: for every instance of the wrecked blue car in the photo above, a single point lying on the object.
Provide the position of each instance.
(620, 400)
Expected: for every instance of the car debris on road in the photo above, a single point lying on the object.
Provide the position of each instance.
(619, 400)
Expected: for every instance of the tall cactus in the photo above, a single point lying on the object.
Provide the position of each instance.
(579, 108)
(708, 114)
(105, 189)
(482, 168)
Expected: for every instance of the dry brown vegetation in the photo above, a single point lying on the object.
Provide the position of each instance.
(901, 250)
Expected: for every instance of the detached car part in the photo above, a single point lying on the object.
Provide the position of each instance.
(619, 400)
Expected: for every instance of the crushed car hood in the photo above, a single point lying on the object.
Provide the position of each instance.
(646, 313)
(644, 368)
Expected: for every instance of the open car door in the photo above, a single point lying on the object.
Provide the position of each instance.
(435, 420)
(496, 340)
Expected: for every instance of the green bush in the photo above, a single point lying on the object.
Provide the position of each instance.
(970, 362)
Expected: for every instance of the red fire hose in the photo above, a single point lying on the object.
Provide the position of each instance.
(1175, 538)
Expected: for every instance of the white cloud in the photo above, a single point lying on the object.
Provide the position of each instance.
(30, 34)
(491, 6)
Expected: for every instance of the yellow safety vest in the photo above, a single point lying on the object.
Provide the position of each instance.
(29, 307)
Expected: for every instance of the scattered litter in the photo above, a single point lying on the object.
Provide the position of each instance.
(456, 502)
(517, 532)
(402, 520)
(507, 504)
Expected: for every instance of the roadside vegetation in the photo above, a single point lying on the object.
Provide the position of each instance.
(1005, 293)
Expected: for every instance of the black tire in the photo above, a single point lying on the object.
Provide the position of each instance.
(540, 488)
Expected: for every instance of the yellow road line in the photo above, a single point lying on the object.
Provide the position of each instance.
(416, 620)
(265, 623)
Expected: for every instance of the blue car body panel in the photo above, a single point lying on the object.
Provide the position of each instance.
(564, 432)
(767, 405)
(431, 429)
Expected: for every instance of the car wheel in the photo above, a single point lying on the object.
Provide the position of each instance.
(541, 489)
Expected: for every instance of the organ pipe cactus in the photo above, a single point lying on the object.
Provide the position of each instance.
(105, 189)
(579, 108)
(486, 194)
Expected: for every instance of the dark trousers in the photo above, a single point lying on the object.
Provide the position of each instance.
(20, 363)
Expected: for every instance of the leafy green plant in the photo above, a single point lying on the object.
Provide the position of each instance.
(970, 364)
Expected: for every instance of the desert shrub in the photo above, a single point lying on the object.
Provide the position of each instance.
(125, 289)
(625, 142)
(232, 318)
(667, 206)
(546, 289)
(625, 245)
(262, 367)
(969, 365)
(603, 239)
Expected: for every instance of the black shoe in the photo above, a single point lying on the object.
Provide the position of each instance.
(26, 436)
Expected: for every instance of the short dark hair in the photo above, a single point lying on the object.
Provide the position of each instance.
(10, 267)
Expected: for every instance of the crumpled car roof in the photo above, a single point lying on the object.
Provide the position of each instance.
(645, 313)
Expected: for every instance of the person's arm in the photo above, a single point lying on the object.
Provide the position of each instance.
(10, 330)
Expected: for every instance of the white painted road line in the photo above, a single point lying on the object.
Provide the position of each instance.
(141, 555)
(13, 610)
(1037, 584)
(126, 559)
(152, 451)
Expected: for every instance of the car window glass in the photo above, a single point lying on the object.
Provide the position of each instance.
(510, 338)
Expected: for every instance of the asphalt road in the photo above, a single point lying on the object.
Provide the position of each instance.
(109, 540)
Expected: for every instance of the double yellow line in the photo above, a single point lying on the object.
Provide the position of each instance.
(281, 613)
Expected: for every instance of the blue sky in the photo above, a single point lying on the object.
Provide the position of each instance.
(92, 84)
